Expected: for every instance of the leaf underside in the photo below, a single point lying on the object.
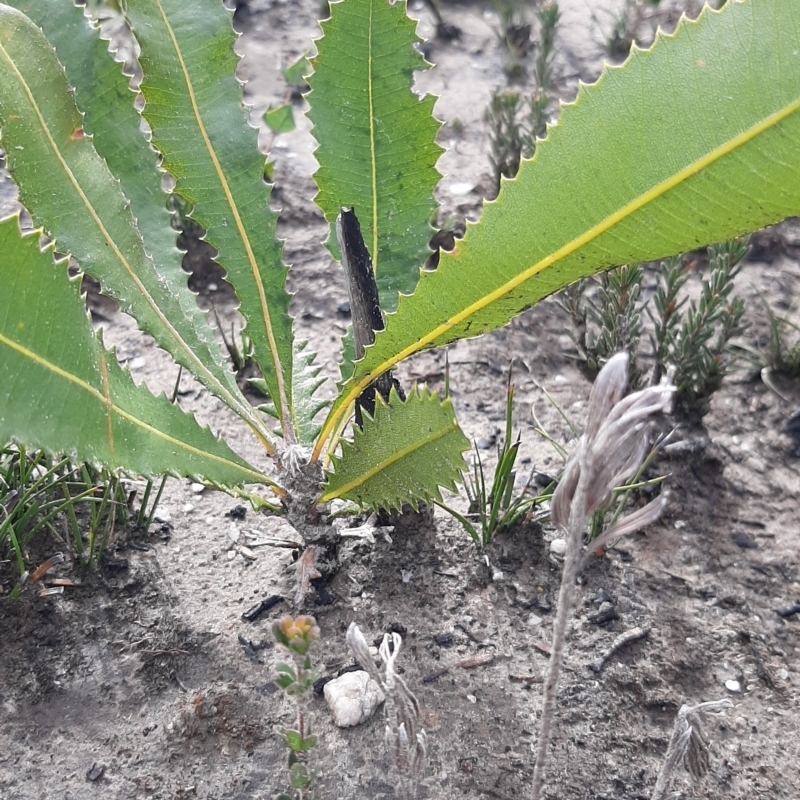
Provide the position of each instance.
(73, 191)
(194, 105)
(61, 391)
(693, 141)
(377, 150)
(404, 454)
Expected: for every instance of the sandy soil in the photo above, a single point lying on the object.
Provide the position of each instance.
(147, 682)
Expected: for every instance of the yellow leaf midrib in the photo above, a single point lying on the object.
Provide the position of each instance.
(105, 400)
(388, 462)
(588, 236)
(201, 368)
(251, 258)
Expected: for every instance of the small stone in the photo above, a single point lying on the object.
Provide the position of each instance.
(233, 532)
(197, 488)
(783, 674)
(188, 508)
(533, 620)
(743, 540)
(558, 547)
(352, 698)
(137, 363)
(163, 515)
(231, 555)
(733, 686)
(461, 188)
(95, 772)
(472, 698)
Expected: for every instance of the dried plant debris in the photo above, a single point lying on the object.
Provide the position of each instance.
(406, 741)
(688, 744)
(612, 449)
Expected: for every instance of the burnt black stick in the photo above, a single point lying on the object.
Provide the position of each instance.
(365, 307)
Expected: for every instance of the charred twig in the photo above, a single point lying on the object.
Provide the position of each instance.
(365, 306)
(633, 635)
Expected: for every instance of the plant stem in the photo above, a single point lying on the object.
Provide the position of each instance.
(566, 596)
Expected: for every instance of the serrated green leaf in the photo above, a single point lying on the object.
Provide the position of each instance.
(377, 149)
(194, 105)
(404, 454)
(154, 291)
(693, 141)
(61, 391)
(280, 119)
(305, 382)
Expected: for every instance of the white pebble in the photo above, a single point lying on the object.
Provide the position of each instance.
(188, 508)
(558, 547)
(233, 532)
(783, 674)
(733, 686)
(197, 488)
(460, 189)
(352, 698)
(534, 620)
(472, 698)
(137, 363)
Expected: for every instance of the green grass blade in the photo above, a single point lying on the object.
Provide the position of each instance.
(194, 105)
(69, 189)
(403, 454)
(62, 392)
(377, 150)
(693, 141)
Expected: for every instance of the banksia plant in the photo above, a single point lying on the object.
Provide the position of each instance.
(406, 742)
(611, 450)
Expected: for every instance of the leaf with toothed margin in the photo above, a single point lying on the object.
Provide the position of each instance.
(377, 139)
(195, 108)
(690, 142)
(305, 382)
(73, 194)
(61, 391)
(403, 454)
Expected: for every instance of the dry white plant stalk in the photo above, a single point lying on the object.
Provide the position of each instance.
(611, 450)
(406, 742)
(688, 744)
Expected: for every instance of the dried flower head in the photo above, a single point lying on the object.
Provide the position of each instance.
(615, 443)
(688, 744)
